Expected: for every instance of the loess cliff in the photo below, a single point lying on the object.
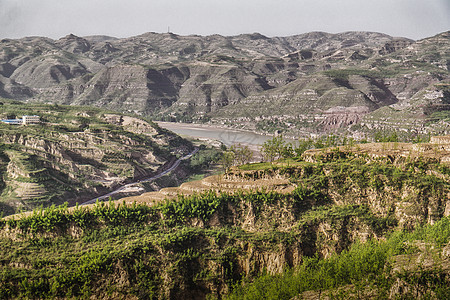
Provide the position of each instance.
(247, 225)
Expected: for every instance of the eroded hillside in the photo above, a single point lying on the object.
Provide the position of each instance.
(301, 85)
(368, 174)
(76, 153)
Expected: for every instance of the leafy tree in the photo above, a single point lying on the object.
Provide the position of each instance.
(273, 149)
(288, 151)
(303, 145)
(227, 159)
(242, 154)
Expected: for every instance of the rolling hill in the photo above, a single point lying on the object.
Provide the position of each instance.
(302, 85)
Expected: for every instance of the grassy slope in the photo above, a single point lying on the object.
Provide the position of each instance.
(196, 246)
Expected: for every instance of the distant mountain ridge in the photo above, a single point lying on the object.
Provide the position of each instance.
(313, 83)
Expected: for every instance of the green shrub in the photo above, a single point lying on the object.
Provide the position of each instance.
(363, 265)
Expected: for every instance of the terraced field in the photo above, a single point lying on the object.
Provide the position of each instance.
(251, 176)
(223, 183)
(368, 221)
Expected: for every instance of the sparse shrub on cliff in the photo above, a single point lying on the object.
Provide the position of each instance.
(364, 269)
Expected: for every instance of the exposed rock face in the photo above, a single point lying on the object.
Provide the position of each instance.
(441, 140)
(247, 81)
(338, 118)
(394, 45)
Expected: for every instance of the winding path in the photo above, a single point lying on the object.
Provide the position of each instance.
(165, 172)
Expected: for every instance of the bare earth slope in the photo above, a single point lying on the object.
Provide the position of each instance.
(304, 84)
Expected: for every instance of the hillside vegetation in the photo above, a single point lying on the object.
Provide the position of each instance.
(354, 224)
(76, 153)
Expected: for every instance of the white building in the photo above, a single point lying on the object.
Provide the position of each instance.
(30, 120)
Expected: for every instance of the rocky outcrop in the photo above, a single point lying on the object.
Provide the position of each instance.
(340, 117)
(73, 44)
(394, 45)
(441, 140)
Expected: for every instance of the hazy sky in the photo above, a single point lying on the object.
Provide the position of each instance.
(122, 18)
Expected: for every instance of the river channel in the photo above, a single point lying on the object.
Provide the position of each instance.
(227, 136)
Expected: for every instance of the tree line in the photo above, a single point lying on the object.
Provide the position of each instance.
(278, 148)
